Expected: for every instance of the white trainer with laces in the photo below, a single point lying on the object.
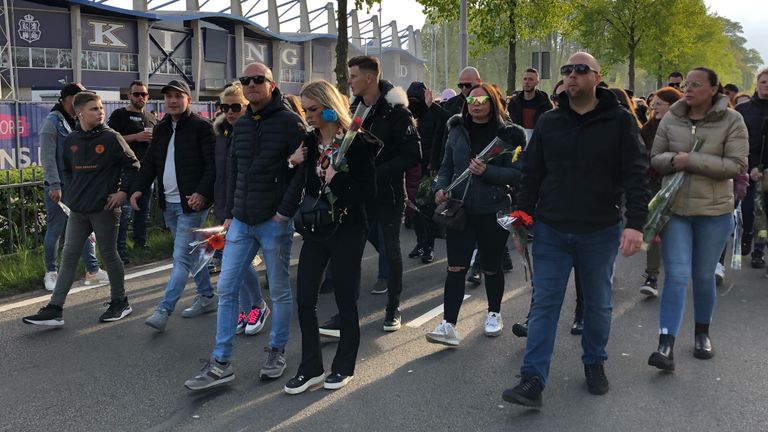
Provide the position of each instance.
(444, 334)
(98, 276)
(493, 324)
(50, 280)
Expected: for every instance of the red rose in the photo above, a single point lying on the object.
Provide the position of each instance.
(216, 242)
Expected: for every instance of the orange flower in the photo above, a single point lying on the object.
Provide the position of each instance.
(524, 218)
(216, 241)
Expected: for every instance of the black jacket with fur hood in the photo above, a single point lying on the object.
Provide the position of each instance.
(392, 123)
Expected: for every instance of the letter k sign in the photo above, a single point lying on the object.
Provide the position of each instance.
(104, 36)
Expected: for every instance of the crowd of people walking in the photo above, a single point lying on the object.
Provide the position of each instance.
(343, 173)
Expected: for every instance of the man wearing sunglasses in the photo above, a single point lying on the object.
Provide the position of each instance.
(675, 79)
(263, 194)
(583, 158)
(181, 158)
(136, 127)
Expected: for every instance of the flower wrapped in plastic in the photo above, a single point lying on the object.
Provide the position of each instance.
(357, 122)
(659, 208)
(736, 249)
(496, 148)
(207, 242)
(517, 223)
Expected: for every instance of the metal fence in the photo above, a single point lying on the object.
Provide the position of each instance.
(22, 222)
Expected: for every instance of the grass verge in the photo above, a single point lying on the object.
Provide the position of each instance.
(23, 271)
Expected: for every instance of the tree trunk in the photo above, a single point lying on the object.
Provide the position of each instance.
(342, 48)
(631, 73)
(659, 77)
(512, 62)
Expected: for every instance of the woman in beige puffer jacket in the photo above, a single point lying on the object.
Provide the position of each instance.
(701, 219)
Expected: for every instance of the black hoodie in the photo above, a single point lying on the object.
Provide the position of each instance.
(755, 113)
(577, 167)
(97, 163)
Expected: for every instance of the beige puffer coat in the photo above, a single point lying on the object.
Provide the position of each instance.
(707, 189)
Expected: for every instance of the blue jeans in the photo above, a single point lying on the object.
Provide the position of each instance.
(690, 248)
(376, 237)
(139, 221)
(243, 242)
(554, 254)
(56, 222)
(181, 225)
(250, 290)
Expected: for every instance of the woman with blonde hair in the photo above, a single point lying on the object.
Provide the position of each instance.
(332, 218)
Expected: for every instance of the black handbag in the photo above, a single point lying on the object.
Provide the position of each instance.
(451, 213)
(316, 216)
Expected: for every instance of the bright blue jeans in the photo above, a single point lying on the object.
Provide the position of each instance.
(56, 222)
(243, 242)
(554, 254)
(181, 225)
(691, 248)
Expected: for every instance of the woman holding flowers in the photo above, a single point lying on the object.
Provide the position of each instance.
(700, 220)
(483, 120)
(332, 218)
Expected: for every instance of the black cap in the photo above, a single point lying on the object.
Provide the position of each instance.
(71, 89)
(177, 85)
(416, 91)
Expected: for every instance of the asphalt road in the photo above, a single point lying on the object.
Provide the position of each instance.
(123, 376)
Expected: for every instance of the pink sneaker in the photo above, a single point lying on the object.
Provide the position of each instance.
(257, 317)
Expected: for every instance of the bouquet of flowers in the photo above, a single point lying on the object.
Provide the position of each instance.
(736, 250)
(207, 242)
(496, 148)
(357, 121)
(660, 205)
(67, 212)
(517, 223)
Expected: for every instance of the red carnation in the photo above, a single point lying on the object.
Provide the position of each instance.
(521, 218)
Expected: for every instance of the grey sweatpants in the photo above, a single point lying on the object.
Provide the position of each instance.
(105, 225)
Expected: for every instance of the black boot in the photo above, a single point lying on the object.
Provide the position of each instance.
(663, 357)
(702, 347)
(427, 255)
(417, 252)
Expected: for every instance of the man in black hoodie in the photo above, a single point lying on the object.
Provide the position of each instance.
(391, 122)
(583, 157)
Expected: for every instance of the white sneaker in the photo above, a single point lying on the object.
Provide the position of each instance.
(444, 334)
(98, 276)
(719, 273)
(50, 280)
(493, 324)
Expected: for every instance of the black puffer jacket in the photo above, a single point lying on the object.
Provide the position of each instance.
(223, 165)
(261, 185)
(515, 108)
(392, 123)
(195, 164)
(755, 113)
(577, 167)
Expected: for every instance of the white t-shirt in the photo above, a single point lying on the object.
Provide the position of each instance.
(169, 173)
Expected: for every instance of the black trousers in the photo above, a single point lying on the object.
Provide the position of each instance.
(345, 252)
(425, 228)
(391, 218)
(490, 238)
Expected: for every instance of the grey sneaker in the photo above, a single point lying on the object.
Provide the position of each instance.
(274, 364)
(213, 374)
(201, 305)
(380, 287)
(158, 320)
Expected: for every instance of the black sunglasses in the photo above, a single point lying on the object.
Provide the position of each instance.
(258, 79)
(140, 94)
(465, 85)
(581, 69)
(236, 108)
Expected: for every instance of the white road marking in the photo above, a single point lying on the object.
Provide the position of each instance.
(47, 297)
(418, 322)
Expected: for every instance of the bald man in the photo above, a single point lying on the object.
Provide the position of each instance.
(263, 194)
(582, 159)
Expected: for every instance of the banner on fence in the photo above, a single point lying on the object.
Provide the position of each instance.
(19, 135)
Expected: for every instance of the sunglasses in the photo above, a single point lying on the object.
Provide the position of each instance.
(139, 94)
(580, 69)
(236, 108)
(258, 79)
(675, 84)
(691, 84)
(465, 85)
(478, 100)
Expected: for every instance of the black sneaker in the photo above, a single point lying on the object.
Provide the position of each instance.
(578, 327)
(117, 310)
(475, 276)
(124, 256)
(332, 327)
(327, 286)
(520, 329)
(650, 287)
(526, 393)
(416, 252)
(336, 381)
(301, 383)
(392, 321)
(506, 261)
(758, 261)
(597, 382)
(427, 256)
(50, 316)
